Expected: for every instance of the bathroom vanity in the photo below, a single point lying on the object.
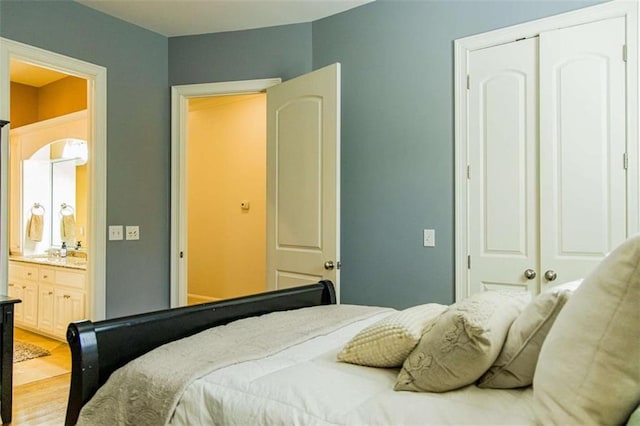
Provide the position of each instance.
(53, 293)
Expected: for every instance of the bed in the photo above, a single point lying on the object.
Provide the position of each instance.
(283, 358)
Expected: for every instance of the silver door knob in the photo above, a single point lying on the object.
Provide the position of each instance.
(550, 275)
(329, 265)
(529, 274)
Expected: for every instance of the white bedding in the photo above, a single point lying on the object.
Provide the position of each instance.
(305, 385)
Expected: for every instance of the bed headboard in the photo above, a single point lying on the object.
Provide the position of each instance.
(99, 348)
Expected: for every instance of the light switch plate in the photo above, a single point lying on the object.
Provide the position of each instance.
(429, 236)
(132, 232)
(115, 232)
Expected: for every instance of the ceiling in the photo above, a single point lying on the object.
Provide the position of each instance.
(189, 17)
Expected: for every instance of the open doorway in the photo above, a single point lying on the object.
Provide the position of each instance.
(302, 179)
(94, 80)
(226, 197)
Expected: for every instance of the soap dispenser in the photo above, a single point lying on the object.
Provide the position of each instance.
(63, 250)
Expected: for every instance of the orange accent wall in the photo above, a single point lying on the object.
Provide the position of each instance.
(62, 97)
(227, 165)
(31, 104)
(23, 105)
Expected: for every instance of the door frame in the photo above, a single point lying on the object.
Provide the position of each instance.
(180, 95)
(96, 77)
(462, 48)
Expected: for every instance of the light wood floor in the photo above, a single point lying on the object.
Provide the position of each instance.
(41, 385)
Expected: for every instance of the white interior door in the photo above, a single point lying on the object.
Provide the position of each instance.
(503, 143)
(583, 138)
(303, 178)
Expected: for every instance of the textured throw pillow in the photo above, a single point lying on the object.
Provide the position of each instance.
(516, 363)
(388, 342)
(634, 419)
(588, 371)
(462, 344)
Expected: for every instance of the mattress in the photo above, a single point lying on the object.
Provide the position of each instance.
(305, 385)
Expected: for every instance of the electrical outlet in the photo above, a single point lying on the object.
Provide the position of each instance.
(115, 232)
(133, 232)
(429, 237)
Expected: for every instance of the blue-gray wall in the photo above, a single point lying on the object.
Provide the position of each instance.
(397, 128)
(283, 51)
(138, 161)
(397, 138)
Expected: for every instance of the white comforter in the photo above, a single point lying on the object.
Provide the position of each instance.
(305, 385)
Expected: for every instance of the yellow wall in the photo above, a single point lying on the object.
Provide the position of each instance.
(31, 104)
(62, 97)
(82, 200)
(24, 105)
(227, 165)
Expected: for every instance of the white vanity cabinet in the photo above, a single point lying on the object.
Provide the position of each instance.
(23, 285)
(52, 297)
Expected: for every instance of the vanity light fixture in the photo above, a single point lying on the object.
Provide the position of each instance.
(76, 148)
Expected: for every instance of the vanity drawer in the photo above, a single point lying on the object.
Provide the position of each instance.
(21, 272)
(46, 275)
(70, 279)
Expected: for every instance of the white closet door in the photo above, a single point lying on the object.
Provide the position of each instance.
(582, 142)
(503, 145)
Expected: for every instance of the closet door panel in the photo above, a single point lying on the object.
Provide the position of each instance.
(502, 159)
(582, 142)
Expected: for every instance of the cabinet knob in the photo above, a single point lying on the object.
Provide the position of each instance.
(45, 276)
(50, 293)
(10, 285)
(66, 296)
(529, 274)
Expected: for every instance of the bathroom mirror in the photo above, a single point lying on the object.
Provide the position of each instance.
(49, 190)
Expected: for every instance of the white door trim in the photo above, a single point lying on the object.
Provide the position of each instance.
(462, 47)
(97, 166)
(180, 96)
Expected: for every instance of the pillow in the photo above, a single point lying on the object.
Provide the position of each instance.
(388, 342)
(517, 361)
(462, 344)
(588, 371)
(634, 419)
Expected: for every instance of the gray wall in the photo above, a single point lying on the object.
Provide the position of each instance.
(283, 51)
(397, 128)
(138, 166)
(397, 138)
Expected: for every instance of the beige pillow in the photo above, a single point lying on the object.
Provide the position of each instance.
(462, 344)
(517, 361)
(388, 342)
(588, 371)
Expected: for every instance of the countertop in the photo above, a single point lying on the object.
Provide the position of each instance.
(71, 262)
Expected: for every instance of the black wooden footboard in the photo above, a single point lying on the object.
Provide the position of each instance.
(99, 348)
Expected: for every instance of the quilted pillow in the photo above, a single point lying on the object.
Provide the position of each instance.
(388, 342)
(588, 371)
(516, 363)
(462, 344)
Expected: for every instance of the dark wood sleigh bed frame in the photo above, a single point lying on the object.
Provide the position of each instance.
(99, 348)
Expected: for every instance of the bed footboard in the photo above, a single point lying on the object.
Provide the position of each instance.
(99, 348)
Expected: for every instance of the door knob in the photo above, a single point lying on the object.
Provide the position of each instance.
(529, 274)
(550, 275)
(329, 265)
